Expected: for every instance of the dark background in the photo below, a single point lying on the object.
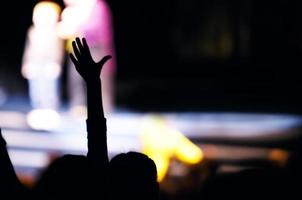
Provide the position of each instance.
(188, 55)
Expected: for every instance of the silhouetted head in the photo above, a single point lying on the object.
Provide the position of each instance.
(68, 177)
(133, 176)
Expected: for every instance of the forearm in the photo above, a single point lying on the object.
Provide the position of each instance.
(96, 124)
(94, 99)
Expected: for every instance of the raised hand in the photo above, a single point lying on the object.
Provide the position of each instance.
(96, 122)
(84, 63)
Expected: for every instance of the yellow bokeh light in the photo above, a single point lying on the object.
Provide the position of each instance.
(162, 142)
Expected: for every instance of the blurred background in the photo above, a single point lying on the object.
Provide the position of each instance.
(221, 77)
(215, 52)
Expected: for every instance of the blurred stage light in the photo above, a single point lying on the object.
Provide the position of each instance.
(162, 142)
(75, 14)
(279, 157)
(43, 119)
(45, 13)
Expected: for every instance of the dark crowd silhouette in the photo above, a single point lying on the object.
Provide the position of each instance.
(129, 175)
(132, 175)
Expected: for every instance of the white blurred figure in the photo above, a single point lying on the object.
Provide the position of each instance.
(41, 65)
(90, 19)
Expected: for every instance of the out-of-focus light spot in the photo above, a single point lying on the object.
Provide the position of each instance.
(49, 71)
(78, 2)
(162, 164)
(43, 119)
(187, 152)
(70, 22)
(161, 143)
(278, 156)
(73, 17)
(46, 13)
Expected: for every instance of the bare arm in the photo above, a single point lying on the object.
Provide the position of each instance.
(96, 122)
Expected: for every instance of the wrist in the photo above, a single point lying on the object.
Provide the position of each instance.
(93, 81)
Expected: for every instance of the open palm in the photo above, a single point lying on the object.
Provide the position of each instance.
(83, 61)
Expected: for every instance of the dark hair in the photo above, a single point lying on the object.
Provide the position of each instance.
(133, 175)
(67, 177)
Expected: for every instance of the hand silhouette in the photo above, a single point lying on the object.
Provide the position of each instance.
(84, 63)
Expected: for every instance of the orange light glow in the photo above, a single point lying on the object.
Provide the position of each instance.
(278, 156)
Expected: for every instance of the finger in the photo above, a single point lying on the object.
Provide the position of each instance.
(104, 60)
(85, 46)
(79, 43)
(85, 43)
(73, 59)
(76, 50)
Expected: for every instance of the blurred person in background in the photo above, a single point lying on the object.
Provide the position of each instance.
(90, 19)
(41, 65)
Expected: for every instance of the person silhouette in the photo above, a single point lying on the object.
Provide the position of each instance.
(128, 175)
(75, 176)
(10, 185)
(131, 175)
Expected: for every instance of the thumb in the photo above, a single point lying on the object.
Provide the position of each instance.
(104, 60)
